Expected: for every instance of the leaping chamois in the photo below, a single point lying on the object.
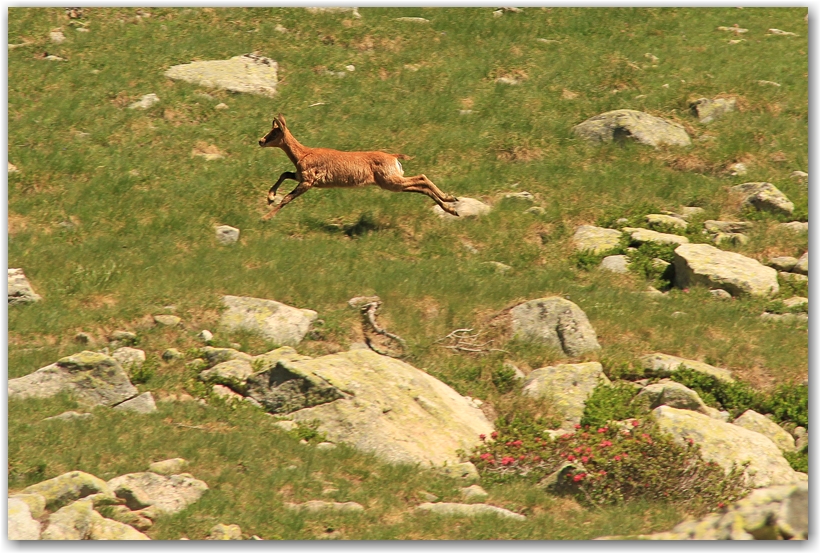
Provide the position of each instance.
(326, 168)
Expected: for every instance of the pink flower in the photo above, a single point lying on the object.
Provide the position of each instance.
(482, 437)
(584, 459)
(617, 457)
(570, 457)
(578, 477)
(507, 461)
(602, 473)
(606, 443)
(636, 422)
(578, 449)
(494, 435)
(577, 426)
(601, 430)
(517, 443)
(485, 456)
(522, 457)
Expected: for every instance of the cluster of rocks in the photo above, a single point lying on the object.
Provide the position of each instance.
(771, 513)
(80, 506)
(19, 288)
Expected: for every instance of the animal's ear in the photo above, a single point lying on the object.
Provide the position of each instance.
(275, 123)
(282, 122)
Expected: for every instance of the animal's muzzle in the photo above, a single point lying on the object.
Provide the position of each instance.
(261, 141)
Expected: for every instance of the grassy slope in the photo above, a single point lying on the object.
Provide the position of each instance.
(143, 242)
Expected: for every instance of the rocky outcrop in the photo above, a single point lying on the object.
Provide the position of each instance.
(68, 487)
(142, 404)
(709, 266)
(596, 239)
(247, 73)
(21, 525)
(672, 394)
(568, 386)
(556, 322)
(661, 364)
(615, 264)
(727, 444)
(764, 196)
(754, 421)
(641, 235)
(20, 291)
(167, 494)
(708, 110)
(776, 512)
(276, 322)
(93, 378)
(622, 124)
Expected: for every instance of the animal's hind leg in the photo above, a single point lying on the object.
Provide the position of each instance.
(427, 192)
(298, 191)
(423, 181)
(419, 185)
(272, 192)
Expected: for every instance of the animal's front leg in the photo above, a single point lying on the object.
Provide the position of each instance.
(298, 191)
(272, 192)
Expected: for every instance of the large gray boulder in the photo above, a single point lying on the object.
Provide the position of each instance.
(568, 386)
(628, 123)
(167, 494)
(712, 267)
(279, 323)
(20, 291)
(764, 196)
(556, 322)
(725, 444)
(387, 407)
(595, 239)
(754, 421)
(22, 525)
(93, 378)
(661, 364)
(246, 73)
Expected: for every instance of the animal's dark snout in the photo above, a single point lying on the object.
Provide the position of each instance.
(262, 141)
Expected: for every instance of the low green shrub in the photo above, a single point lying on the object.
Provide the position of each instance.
(504, 379)
(799, 460)
(140, 374)
(612, 464)
(611, 403)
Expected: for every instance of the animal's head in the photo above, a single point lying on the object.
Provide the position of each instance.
(276, 136)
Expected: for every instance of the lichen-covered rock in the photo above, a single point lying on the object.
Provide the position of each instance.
(661, 219)
(622, 124)
(615, 264)
(782, 263)
(227, 235)
(317, 505)
(556, 322)
(468, 510)
(277, 322)
(214, 356)
(69, 415)
(725, 444)
(106, 529)
(94, 378)
(21, 523)
(727, 226)
(474, 492)
(568, 385)
(232, 374)
(754, 421)
(72, 522)
(641, 235)
(802, 265)
(672, 394)
(168, 466)
(708, 110)
(167, 494)
(709, 266)
(36, 503)
(764, 196)
(795, 226)
(246, 73)
(596, 239)
(384, 406)
(465, 207)
(226, 532)
(661, 364)
(129, 358)
(68, 487)
(143, 404)
(135, 519)
(20, 291)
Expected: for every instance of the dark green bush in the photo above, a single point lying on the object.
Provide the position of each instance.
(799, 460)
(504, 379)
(610, 403)
(140, 374)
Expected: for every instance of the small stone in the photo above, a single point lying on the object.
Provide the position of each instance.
(226, 394)
(221, 106)
(169, 466)
(781, 33)
(465, 111)
(678, 314)
(227, 235)
(360, 301)
(783, 263)
(69, 415)
(465, 207)
(795, 226)
(764, 196)
(317, 505)
(535, 210)
(802, 266)
(735, 238)
(350, 68)
(799, 175)
(326, 445)
(738, 169)
(19, 288)
(124, 337)
(727, 226)
(13, 168)
(721, 294)
(413, 19)
(768, 83)
(280, 29)
(56, 36)
(463, 509)
(167, 320)
(687, 212)
(82, 338)
(792, 277)
(523, 195)
(796, 301)
(474, 492)
(641, 235)
(205, 336)
(508, 81)
(616, 264)
(427, 496)
(226, 532)
(499, 268)
(171, 354)
(666, 220)
(145, 102)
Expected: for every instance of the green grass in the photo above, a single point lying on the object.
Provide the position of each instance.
(140, 242)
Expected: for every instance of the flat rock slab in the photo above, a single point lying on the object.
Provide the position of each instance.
(69, 416)
(707, 110)
(20, 291)
(168, 494)
(281, 324)
(465, 207)
(754, 421)
(168, 466)
(661, 364)
(641, 235)
(596, 239)
(129, 358)
(726, 444)
(106, 529)
(387, 407)
(615, 264)
(93, 378)
(468, 510)
(568, 385)
(714, 268)
(232, 374)
(556, 322)
(764, 196)
(673, 394)
(246, 73)
(21, 525)
(142, 404)
(623, 124)
(317, 506)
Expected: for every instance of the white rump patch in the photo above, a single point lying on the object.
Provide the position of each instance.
(401, 169)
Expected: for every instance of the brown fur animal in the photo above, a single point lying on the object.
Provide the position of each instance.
(326, 168)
